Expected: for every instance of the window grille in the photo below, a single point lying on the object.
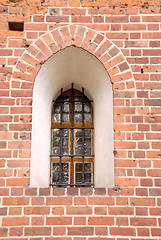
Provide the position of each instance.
(72, 152)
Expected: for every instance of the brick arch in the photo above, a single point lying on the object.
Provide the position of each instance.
(95, 43)
(120, 73)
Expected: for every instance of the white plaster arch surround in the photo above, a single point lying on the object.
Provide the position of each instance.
(72, 65)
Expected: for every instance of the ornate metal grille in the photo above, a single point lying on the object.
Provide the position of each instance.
(72, 153)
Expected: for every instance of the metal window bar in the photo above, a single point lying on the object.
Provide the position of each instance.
(62, 101)
(72, 155)
(61, 140)
(72, 129)
(83, 135)
(72, 184)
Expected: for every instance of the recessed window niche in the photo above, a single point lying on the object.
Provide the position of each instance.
(72, 65)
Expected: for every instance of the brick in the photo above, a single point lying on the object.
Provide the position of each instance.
(114, 3)
(36, 210)
(44, 191)
(142, 201)
(72, 191)
(15, 221)
(3, 211)
(57, 210)
(37, 231)
(59, 230)
(122, 231)
(100, 210)
(82, 231)
(59, 191)
(15, 211)
(95, 3)
(140, 221)
(3, 232)
(79, 210)
(100, 191)
(138, 3)
(16, 231)
(58, 201)
(122, 221)
(121, 210)
(86, 191)
(100, 201)
(154, 192)
(141, 211)
(59, 220)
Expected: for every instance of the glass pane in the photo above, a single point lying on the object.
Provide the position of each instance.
(87, 172)
(57, 107)
(65, 177)
(65, 117)
(78, 106)
(87, 141)
(61, 108)
(60, 142)
(87, 118)
(66, 107)
(78, 177)
(55, 177)
(56, 118)
(78, 142)
(65, 167)
(87, 177)
(78, 167)
(56, 167)
(56, 151)
(87, 167)
(78, 117)
(81, 149)
(64, 172)
(87, 107)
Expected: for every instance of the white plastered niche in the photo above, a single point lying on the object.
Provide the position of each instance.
(72, 65)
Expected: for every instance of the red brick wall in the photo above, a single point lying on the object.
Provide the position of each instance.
(125, 37)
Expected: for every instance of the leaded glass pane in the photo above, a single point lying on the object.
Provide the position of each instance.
(64, 172)
(79, 173)
(87, 112)
(61, 111)
(80, 148)
(60, 142)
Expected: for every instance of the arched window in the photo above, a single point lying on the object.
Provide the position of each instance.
(72, 151)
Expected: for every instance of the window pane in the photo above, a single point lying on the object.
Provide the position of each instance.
(61, 108)
(56, 118)
(78, 167)
(78, 112)
(87, 167)
(87, 177)
(87, 172)
(78, 106)
(64, 172)
(60, 142)
(80, 148)
(65, 117)
(78, 142)
(87, 107)
(78, 177)
(57, 110)
(87, 118)
(78, 117)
